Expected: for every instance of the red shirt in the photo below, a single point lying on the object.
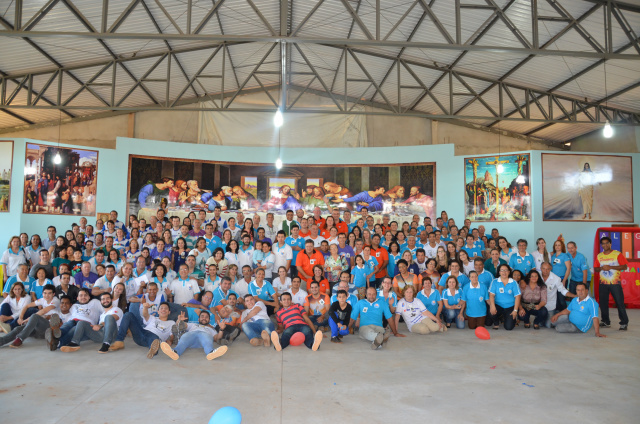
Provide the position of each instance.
(306, 262)
(342, 227)
(291, 315)
(381, 255)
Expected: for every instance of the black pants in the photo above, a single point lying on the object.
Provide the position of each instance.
(618, 297)
(505, 313)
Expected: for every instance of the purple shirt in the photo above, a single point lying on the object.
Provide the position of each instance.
(347, 253)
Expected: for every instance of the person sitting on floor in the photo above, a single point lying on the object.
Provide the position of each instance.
(581, 314)
(340, 314)
(292, 318)
(200, 334)
(370, 311)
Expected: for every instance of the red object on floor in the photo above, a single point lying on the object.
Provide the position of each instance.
(482, 333)
(297, 339)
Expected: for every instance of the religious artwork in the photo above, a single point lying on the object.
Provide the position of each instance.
(587, 188)
(202, 185)
(497, 188)
(6, 165)
(60, 180)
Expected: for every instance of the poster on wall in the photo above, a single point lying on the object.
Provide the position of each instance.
(60, 180)
(587, 188)
(497, 188)
(189, 185)
(6, 165)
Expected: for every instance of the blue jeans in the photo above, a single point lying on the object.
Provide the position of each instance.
(291, 330)
(141, 336)
(254, 329)
(451, 315)
(195, 339)
(314, 319)
(67, 330)
(5, 310)
(107, 334)
(335, 332)
(541, 316)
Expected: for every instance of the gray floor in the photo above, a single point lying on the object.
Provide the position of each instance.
(519, 376)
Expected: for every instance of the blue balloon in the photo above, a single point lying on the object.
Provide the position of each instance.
(226, 415)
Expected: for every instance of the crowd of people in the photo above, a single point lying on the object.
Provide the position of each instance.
(203, 281)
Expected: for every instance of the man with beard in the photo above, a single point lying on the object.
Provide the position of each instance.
(198, 334)
(150, 194)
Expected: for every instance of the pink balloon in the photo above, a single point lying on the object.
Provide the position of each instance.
(297, 339)
(482, 333)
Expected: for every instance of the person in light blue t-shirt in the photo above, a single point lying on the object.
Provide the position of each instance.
(475, 297)
(453, 303)
(370, 311)
(561, 262)
(521, 260)
(359, 275)
(580, 272)
(581, 314)
(504, 299)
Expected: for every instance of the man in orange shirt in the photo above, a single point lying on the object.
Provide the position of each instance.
(307, 259)
(317, 307)
(304, 228)
(382, 256)
(338, 223)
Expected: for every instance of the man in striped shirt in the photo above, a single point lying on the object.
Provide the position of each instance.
(292, 318)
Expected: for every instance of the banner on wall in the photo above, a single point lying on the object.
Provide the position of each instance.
(6, 165)
(587, 187)
(192, 185)
(64, 188)
(497, 188)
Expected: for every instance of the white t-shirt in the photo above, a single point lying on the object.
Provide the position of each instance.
(260, 315)
(90, 311)
(466, 269)
(55, 302)
(411, 311)
(162, 329)
(241, 287)
(64, 317)
(299, 297)
(184, 290)
(193, 327)
(94, 264)
(12, 260)
(282, 286)
(317, 241)
(116, 312)
(155, 304)
(282, 255)
(56, 281)
(539, 258)
(131, 285)
(103, 284)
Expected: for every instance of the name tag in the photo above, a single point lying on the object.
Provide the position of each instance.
(377, 254)
(258, 291)
(556, 261)
(312, 261)
(509, 292)
(376, 306)
(519, 261)
(321, 301)
(480, 299)
(365, 309)
(501, 290)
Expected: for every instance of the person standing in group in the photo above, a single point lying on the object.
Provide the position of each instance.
(610, 264)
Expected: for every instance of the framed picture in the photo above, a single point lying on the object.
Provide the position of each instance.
(497, 188)
(191, 185)
(587, 187)
(6, 166)
(60, 180)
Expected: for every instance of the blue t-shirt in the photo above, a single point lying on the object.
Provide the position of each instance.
(476, 300)
(392, 294)
(299, 242)
(558, 265)
(472, 251)
(413, 251)
(522, 264)
(485, 279)
(431, 301)
(579, 264)
(463, 280)
(391, 266)
(86, 282)
(27, 284)
(582, 313)
(371, 313)
(37, 289)
(453, 299)
(505, 294)
(372, 263)
(360, 275)
(218, 295)
(264, 293)
(214, 243)
(352, 299)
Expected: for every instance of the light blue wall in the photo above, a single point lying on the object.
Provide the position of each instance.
(113, 166)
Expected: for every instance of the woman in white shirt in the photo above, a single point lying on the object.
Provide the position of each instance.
(11, 258)
(12, 305)
(267, 261)
(281, 283)
(505, 249)
(541, 255)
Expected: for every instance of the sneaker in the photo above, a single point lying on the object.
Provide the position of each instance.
(605, 325)
(377, 342)
(317, 339)
(166, 349)
(234, 335)
(71, 347)
(104, 348)
(276, 340)
(266, 338)
(52, 341)
(55, 323)
(256, 342)
(335, 340)
(178, 330)
(6, 328)
(340, 337)
(224, 342)
(116, 346)
(623, 327)
(18, 342)
(153, 350)
(216, 353)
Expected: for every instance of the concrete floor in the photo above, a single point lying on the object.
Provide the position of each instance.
(523, 375)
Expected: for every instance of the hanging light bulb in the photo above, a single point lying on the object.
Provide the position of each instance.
(57, 159)
(607, 131)
(500, 169)
(520, 179)
(277, 119)
(279, 163)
